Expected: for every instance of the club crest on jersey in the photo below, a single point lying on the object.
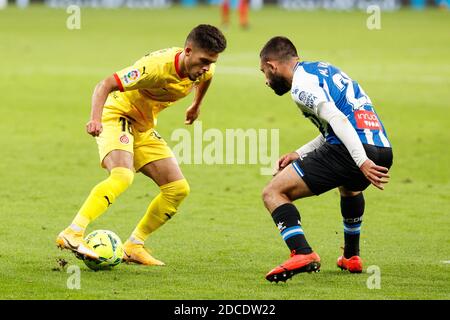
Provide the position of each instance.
(124, 139)
(307, 99)
(131, 76)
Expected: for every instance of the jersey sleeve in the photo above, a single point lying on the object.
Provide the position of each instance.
(310, 91)
(144, 73)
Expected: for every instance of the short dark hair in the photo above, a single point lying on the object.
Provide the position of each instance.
(278, 48)
(207, 37)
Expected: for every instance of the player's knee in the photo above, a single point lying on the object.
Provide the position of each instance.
(118, 181)
(347, 193)
(273, 196)
(182, 189)
(176, 191)
(173, 194)
(123, 178)
(267, 194)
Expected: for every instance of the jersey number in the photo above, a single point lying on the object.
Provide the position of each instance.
(343, 82)
(126, 126)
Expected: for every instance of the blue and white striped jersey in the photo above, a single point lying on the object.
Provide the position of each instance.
(317, 82)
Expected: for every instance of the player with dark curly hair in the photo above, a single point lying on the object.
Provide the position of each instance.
(351, 152)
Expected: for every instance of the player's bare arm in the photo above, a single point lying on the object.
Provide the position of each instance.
(193, 111)
(101, 92)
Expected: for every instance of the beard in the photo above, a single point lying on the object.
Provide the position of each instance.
(279, 85)
(195, 76)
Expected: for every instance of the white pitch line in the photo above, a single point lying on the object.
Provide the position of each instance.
(446, 262)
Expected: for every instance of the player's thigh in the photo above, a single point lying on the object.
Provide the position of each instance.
(288, 183)
(118, 158)
(115, 143)
(153, 157)
(163, 171)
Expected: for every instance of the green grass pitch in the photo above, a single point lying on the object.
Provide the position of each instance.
(222, 242)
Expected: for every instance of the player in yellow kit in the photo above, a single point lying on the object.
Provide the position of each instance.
(124, 113)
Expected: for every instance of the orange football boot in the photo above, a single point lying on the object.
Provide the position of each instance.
(137, 253)
(73, 241)
(352, 264)
(295, 264)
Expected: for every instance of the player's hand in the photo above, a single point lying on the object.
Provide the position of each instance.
(94, 128)
(285, 160)
(192, 114)
(377, 175)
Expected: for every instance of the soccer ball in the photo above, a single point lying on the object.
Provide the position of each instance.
(108, 246)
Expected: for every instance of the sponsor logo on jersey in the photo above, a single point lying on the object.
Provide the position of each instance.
(155, 134)
(307, 99)
(131, 76)
(124, 139)
(367, 120)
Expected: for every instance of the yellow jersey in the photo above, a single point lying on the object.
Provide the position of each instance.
(150, 85)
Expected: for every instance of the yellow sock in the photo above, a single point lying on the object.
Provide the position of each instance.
(103, 195)
(161, 209)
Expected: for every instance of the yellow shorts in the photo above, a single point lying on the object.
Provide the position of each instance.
(118, 134)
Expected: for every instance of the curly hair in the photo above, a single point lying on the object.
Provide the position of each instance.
(278, 48)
